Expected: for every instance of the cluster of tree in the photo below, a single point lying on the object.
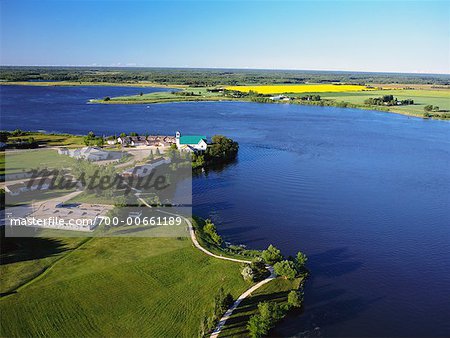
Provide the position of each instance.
(222, 150)
(288, 268)
(310, 98)
(183, 93)
(250, 94)
(18, 142)
(443, 116)
(92, 140)
(269, 313)
(429, 108)
(17, 132)
(435, 112)
(387, 100)
(221, 303)
(23, 143)
(208, 77)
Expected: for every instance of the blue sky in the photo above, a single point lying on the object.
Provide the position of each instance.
(393, 36)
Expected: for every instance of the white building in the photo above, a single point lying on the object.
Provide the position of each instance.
(86, 153)
(191, 143)
(280, 98)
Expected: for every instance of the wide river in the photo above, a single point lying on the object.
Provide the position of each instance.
(366, 195)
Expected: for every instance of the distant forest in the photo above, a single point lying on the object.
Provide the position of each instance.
(209, 77)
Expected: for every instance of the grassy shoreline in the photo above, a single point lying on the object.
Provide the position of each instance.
(440, 97)
(339, 104)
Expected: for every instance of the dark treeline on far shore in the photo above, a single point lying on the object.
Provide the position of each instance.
(210, 77)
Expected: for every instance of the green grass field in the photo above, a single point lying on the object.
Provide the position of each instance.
(25, 160)
(30, 257)
(275, 291)
(115, 287)
(201, 94)
(52, 140)
(440, 98)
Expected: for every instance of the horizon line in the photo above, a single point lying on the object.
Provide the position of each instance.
(228, 68)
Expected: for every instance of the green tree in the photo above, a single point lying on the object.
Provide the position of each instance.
(222, 148)
(301, 260)
(294, 299)
(257, 327)
(271, 255)
(4, 136)
(428, 108)
(210, 229)
(247, 273)
(17, 132)
(286, 269)
(268, 314)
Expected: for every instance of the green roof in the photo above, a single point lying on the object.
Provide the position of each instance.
(192, 139)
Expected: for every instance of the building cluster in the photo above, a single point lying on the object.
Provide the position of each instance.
(190, 143)
(86, 153)
(151, 141)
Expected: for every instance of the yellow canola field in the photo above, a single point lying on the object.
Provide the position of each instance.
(304, 88)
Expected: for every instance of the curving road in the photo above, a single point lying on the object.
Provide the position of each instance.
(247, 293)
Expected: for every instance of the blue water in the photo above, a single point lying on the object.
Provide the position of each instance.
(366, 195)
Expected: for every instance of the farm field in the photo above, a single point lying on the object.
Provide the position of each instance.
(116, 287)
(440, 98)
(302, 88)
